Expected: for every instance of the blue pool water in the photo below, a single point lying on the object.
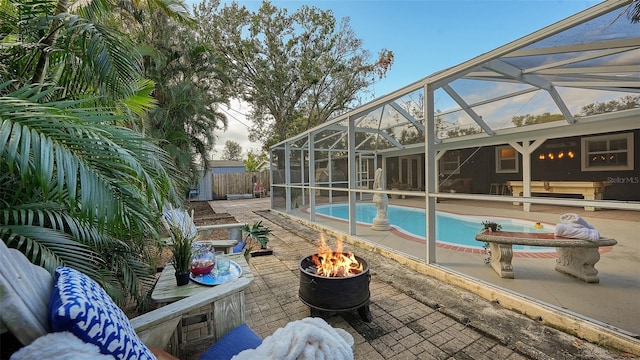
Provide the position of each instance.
(451, 228)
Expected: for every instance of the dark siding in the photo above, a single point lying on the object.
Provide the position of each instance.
(625, 185)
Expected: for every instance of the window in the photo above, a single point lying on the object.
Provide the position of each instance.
(506, 159)
(450, 163)
(607, 152)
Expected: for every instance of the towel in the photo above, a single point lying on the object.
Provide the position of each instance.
(306, 339)
(576, 232)
(60, 346)
(575, 220)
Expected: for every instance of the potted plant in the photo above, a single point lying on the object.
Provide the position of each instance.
(256, 235)
(491, 226)
(180, 229)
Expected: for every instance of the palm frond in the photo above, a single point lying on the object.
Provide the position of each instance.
(175, 9)
(97, 55)
(141, 101)
(50, 248)
(104, 168)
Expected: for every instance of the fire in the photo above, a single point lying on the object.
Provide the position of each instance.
(336, 263)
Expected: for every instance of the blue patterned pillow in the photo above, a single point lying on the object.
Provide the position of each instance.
(79, 305)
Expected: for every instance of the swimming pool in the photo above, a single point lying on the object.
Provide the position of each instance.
(452, 229)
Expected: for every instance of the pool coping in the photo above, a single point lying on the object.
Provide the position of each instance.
(540, 253)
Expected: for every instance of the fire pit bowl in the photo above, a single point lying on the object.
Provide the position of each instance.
(335, 294)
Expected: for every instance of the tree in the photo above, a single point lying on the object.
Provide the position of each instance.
(623, 103)
(232, 151)
(190, 83)
(528, 119)
(296, 70)
(44, 42)
(77, 188)
(254, 160)
(78, 191)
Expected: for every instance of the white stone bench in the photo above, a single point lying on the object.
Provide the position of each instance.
(575, 257)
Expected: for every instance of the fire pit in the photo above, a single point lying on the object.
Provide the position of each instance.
(335, 281)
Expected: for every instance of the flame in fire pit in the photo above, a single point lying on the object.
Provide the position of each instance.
(337, 263)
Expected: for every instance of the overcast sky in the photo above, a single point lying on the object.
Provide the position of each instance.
(426, 36)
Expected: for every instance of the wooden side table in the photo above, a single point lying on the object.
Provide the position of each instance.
(210, 322)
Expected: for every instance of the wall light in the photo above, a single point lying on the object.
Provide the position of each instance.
(561, 155)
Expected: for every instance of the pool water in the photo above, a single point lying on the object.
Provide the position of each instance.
(451, 228)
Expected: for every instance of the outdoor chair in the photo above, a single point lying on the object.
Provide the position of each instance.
(36, 307)
(180, 217)
(194, 193)
(259, 190)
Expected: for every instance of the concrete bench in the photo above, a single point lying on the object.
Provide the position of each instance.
(575, 257)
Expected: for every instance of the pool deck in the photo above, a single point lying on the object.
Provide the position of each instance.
(614, 301)
(397, 310)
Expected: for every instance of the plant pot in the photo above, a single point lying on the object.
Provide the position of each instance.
(261, 252)
(182, 279)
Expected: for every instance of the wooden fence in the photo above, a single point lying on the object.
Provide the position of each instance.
(224, 184)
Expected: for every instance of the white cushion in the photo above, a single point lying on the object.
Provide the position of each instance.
(24, 294)
(60, 346)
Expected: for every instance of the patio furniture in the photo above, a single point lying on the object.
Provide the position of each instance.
(194, 193)
(575, 257)
(259, 190)
(26, 289)
(30, 296)
(211, 320)
(181, 217)
(498, 189)
(590, 190)
(458, 185)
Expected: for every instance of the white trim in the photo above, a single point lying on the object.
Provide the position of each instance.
(585, 154)
(444, 161)
(499, 159)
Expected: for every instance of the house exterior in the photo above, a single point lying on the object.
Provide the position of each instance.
(513, 125)
(608, 157)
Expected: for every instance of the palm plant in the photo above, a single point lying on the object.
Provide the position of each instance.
(75, 187)
(78, 191)
(256, 234)
(190, 84)
(179, 228)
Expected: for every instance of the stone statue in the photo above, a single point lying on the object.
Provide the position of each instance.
(380, 222)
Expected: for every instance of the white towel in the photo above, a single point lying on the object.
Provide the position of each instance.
(60, 346)
(574, 220)
(306, 339)
(576, 232)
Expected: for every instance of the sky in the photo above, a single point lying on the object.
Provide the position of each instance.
(426, 36)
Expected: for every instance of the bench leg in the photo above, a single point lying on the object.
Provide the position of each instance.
(578, 262)
(501, 255)
(592, 196)
(516, 194)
